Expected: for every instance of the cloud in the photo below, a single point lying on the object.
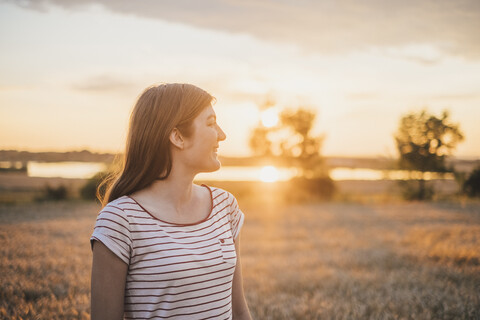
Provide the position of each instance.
(103, 83)
(362, 96)
(462, 96)
(326, 27)
(15, 87)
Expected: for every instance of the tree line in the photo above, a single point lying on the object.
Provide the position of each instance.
(423, 140)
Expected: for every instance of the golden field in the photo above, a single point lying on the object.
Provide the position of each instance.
(331, 260)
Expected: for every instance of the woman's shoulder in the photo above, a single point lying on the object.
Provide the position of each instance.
(219, 194)
(120, 203)
(117, 207)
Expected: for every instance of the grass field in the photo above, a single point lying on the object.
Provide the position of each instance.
(332, 260)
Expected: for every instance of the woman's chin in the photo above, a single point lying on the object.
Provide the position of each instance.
(213, 166)
(217, 165)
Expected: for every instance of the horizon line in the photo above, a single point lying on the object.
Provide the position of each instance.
(365, 156)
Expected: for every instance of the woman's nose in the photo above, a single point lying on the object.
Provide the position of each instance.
(221, 135)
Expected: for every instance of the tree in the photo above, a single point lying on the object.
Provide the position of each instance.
(260, 143)
(291, 140)
(423, 142)
(301, 147)
(471, 186)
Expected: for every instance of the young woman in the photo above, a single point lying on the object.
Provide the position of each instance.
(164, 247)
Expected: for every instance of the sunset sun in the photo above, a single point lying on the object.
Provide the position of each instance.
(269, 118)
(269, 174)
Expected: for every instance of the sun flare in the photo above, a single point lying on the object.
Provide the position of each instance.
(269, 174)
(269, 118)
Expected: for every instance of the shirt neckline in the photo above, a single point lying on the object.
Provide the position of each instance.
(181, 224)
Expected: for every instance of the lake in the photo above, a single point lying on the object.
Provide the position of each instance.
(85, 170)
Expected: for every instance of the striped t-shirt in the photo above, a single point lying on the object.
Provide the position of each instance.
(175, 271)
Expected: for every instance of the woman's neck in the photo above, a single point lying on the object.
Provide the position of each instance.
(177, 189)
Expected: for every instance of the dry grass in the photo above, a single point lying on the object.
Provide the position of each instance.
(306, 261)
(45, 264)
(351, 261)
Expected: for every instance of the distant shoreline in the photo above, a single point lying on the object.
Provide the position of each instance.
(331, 161)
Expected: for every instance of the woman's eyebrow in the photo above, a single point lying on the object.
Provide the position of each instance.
(212, 116)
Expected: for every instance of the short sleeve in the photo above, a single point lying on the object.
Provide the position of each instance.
(112, 228)
(236, 217)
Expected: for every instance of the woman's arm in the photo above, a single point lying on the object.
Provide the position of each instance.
(109, 274)
(239, 304)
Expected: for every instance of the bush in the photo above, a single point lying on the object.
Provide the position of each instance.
(89, 190)
(302, 188)
(53, 193)
(416, 190)
(471, 186)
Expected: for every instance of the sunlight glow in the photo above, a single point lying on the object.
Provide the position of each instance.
(269, 174)
(67, 169)
(340, 173)
(269, 117)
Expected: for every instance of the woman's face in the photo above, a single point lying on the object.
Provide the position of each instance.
(202, 146)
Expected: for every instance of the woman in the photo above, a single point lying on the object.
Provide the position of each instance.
(164, 247)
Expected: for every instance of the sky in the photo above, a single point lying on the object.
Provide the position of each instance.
(71, 70)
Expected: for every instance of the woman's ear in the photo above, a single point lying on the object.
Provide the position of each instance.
(176, 138)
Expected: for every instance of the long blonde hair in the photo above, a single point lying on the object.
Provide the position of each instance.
(147, 157)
